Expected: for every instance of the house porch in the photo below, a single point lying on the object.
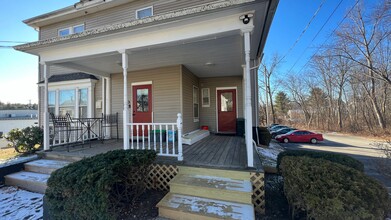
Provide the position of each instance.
(214, 151)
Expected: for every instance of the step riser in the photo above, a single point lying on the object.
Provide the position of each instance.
(37, 169)
(239, 175)
(220, 194)
(60, 157)
(28, 185)
(178, 215)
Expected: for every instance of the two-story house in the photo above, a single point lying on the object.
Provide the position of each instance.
(150, 60)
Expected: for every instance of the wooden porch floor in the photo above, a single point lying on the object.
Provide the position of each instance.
(215, 151)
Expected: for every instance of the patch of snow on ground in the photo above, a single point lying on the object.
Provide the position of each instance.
(20, 204)
(12, 161)
(269, 155)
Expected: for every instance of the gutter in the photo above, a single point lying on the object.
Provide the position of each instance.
(263, 35)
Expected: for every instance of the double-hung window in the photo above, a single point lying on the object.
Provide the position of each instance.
(67, 102)
(52, 102)
(144, 12)
(71, 30)
(196, 112)
(83, 103)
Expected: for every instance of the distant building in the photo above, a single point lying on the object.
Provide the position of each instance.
(10, 119)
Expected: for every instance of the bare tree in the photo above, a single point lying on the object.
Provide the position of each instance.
(362, 41)
(269, 69)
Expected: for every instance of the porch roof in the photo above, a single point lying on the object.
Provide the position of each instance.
(115, 28)
(69, 77)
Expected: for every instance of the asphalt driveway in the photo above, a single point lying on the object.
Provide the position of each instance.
(357, 147)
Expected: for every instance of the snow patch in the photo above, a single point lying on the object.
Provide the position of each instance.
(20, 204)
(269, 155)
(16, 160)
(222, 209)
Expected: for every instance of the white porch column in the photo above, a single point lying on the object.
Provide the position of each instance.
(126, 110)
(248, 114)
(77, 113)
(46, 138)
(108, 103)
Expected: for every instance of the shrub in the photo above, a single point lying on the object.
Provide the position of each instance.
(100, 186)
(27, 140)
(320, 189)
(333, 157)
(264, 136)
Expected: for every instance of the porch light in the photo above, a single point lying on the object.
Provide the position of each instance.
(246, 18)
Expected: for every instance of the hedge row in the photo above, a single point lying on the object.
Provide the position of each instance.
(333, 157)
(320, 189)
(96, 187)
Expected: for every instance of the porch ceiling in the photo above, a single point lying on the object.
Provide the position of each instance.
(211, 56)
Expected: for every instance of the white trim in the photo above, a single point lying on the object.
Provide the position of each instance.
(141, 83)
(196, 119)
(202, 97)
(73, 83)
(71, 29)
(141, 9)
(217, 106)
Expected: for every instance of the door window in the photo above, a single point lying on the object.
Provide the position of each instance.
(226, 104)
(142, 100)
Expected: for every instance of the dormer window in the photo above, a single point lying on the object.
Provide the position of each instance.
(71, 30)
(144, 12)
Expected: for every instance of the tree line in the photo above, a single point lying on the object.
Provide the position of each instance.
(17, 106)
(346, 85)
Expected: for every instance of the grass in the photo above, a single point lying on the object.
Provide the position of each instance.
(6, 153)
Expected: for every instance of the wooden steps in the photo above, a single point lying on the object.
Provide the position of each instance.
(35, 182)
(200, 193)
(35, 176)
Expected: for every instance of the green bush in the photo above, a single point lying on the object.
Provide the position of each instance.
(27, 140)
(100, 186)
(333, 157)
(320, 189)
(264, 136)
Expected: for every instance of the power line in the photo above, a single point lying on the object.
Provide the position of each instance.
(12, 42)
(339, 24)
(324, 24)
(305, 29)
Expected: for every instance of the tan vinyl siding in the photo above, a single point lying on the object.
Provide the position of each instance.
(165, 92)
(208, 114)
(120, 14)
(188, 81)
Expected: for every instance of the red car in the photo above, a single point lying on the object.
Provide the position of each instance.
(300, 136)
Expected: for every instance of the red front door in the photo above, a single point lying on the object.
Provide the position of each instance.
(142, 106)
(226, 113)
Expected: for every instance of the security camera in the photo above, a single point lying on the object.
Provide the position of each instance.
(246, 18)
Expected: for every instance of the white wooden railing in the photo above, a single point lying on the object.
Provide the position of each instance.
(164, 138)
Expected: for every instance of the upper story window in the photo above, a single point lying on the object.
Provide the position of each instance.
(71, 30)
(144, 12)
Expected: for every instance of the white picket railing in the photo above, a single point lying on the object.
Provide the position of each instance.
(164, 138)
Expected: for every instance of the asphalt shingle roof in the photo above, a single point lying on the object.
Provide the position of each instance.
(69, 77)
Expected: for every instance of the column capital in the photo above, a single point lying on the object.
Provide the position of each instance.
(122, 51)
(247, 29)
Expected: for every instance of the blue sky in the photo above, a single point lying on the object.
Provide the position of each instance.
(19, 71)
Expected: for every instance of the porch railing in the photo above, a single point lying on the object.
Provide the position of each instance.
(67, 130)
(164, 138)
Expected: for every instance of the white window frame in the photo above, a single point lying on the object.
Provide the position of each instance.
(196, 119)
(76, 85)
(141, 9)
(202, 97)
(71, 29)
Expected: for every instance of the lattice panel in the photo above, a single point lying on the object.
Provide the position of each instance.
(258, 182)
(160, 175)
